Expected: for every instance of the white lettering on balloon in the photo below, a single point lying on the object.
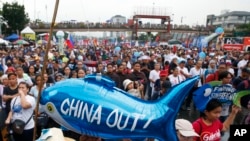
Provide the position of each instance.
(136, 117)
(66, 101)
(115, 113)
(120, 120)
(125, 123)
(97, 115)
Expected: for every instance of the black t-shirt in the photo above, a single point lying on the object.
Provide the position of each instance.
(237, 80)
(8, 91)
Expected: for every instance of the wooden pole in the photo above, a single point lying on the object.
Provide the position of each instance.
(45, 60)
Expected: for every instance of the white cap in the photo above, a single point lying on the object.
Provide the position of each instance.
(185, 128)
(126, 82)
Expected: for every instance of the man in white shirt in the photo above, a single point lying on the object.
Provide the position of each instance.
(175, 78)
(197, 70)
(154, 75)
(167, 56)
(242, 63)
(183, 70)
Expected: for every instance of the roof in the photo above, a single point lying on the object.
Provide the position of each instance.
(27, 30)
(118, 16)
(235, 13)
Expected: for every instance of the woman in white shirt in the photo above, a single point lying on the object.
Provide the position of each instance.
(22, 108)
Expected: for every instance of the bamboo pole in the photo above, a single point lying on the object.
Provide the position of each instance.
(45, 60)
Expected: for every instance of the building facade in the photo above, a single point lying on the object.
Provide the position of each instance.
(118, 20)
(228, 20)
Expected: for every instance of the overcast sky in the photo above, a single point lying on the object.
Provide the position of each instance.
(191, 12)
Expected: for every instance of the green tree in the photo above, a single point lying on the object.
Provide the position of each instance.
(142, 37)
(16, 17)
(244, 27)
(242, 30)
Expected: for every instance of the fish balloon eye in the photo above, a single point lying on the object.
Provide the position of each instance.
(50, 107)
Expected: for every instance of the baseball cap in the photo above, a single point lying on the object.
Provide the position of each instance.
(12, 69)
(185, 128)
(228, 63)
(182, 62)
(163, 73)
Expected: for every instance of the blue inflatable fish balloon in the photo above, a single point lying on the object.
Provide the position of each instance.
(94, 106)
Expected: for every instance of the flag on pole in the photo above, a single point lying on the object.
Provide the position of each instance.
(54, 39)
(95, 42)
(70, 42)
(116, 42)
(46, 37)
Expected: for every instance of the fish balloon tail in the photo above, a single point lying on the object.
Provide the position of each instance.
(173, 99)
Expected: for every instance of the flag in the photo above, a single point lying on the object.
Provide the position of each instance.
(157, 38)
(70, 42)
(46, 37)
(95, 42)
(116, 42)
(54, 39)
(146, 44)
(86, 42)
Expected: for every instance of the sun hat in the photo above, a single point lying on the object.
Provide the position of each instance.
(126, 82)
(185, 128)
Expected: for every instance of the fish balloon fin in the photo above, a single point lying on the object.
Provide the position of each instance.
(99, 78)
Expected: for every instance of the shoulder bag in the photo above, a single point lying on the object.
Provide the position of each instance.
(18, 124)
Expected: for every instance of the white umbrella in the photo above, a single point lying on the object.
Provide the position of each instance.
(144, 57)
(2, 41)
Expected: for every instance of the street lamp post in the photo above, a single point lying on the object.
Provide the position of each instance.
(88, 27)
(60, 35)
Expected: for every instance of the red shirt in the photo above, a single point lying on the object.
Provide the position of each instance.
(212, 77)
(208, 132)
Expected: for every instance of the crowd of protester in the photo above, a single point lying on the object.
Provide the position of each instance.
(146, 73)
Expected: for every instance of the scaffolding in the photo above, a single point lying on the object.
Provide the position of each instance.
(152, 13)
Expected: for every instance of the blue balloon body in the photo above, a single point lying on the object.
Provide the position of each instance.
(93, 106)
(202, 55)
(136, 54)
(117, 49)
(219, 30)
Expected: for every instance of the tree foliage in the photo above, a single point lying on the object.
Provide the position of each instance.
(16, 17)
(146, 37)
(243, 27)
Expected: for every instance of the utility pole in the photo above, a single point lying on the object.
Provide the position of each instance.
(46, 13)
